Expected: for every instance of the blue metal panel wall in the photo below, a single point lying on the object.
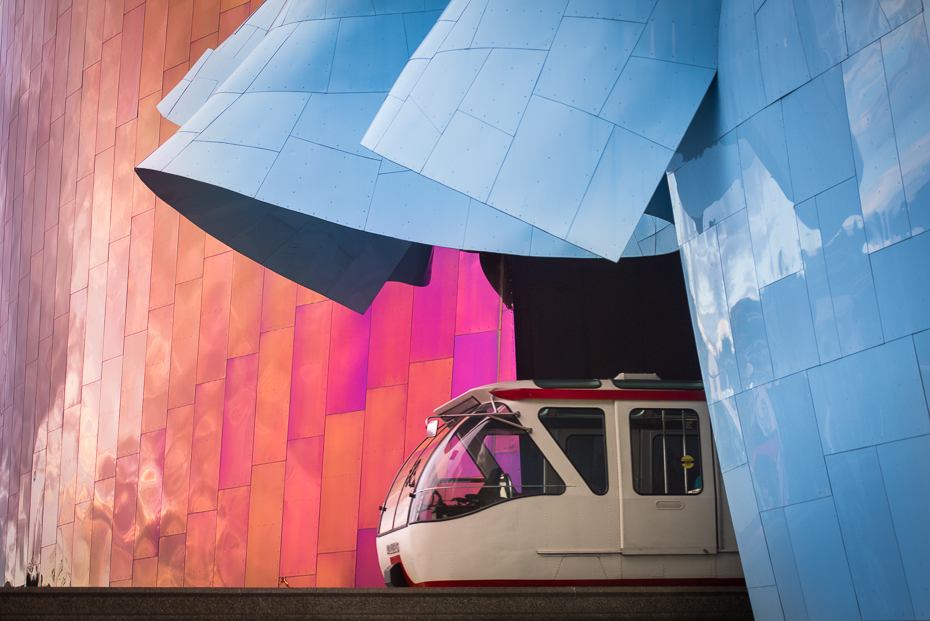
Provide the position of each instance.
(801, 203)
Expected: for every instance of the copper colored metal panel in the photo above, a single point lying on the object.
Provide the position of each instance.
(212, 246)
(40, 184)
(199, 550)
(34, 305)
(52, 480)
(149, 121)
(124, 517)
(69, 148)
(190, 251)
(230, 20)
(63, 543)
(144, 572)
(130, 416)
(108, 421)
(63, 267)
(477, 304)
(80, 544)
(238, 421)
(430, 386)
(214, 317)
(205, 453)
(148, 500)
(102, 537)
(75, 363)
(198, 47)
(391, 317)
(87, 447)
(103, 192)
(299, 582)
(76, 47)
(171, 561)
(153, 46)
(93, 34)
(225, 5)
(336, 569)
(43, 383)
(507, 367)
(279, 296)
(303, 478)
(308, 296)
(123, 176)
(94, 323)
(272, 399)
(53, 187)
(83, 213)
(164, 256)
(348, 371)
(180, 16)
(434, 309)
(47, 566)
(475, 363)
(59, 372)
(184, 340)
(109, 84)
(245, 306)
(266, 507)
(232, 530)
(112, 18)
(117, 281)
(311, 364)
(121, 583)
(206, 18)
(367, 569)
(130, 65)
(177, 474)
(157, 364)
(49, 266)
(383, 449)
(90, 100)
(342, 465)
(60, 79)
(140, 270)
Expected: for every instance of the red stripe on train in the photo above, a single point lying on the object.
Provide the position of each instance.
(574, 394)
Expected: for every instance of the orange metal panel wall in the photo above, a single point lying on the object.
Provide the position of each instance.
(172, 413)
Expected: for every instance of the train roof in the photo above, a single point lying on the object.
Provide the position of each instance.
(624, 387)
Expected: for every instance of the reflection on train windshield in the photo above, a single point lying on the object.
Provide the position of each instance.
(484, 461)
(397, 506)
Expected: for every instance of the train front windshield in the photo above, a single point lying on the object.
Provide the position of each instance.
(481, 462)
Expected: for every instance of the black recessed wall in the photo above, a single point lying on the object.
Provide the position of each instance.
(584, 318)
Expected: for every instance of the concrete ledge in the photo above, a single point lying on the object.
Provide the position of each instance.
(684, 603)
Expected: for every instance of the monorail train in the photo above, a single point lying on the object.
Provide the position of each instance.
(593, 483)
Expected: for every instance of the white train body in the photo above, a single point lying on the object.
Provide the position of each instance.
(548, 483)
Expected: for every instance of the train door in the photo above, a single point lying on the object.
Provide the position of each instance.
(668, 503)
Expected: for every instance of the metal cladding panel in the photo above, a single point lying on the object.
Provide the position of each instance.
(786, 309)
(300, 525)
(781, 54)
(895, 270)
(784, 565)
(339, 493)
(266, 505)
(200, 550)
(177, 472)
(382, 450)
(232, 525)
(747, 523)
(728, 434)
(785, 464)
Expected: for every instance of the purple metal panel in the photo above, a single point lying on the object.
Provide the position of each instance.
(238, 422)
(311, 363)
(389, 352)
(367, 569)
(434, 310)
(348, 372)
(205, 452)
(475, 361)
(507, 365)
(177, 472)
(477, 304)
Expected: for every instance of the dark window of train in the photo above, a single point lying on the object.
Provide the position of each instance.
(580, 434)
(666, 452)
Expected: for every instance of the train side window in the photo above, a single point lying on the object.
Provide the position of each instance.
(666, 452)
(579, 432)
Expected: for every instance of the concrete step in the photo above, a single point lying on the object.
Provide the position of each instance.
(680, 604)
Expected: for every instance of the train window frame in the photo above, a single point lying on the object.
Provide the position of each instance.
(688, 421)
(563, 442)
(426, 509)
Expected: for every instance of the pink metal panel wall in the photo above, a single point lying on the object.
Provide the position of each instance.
(171, 413)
